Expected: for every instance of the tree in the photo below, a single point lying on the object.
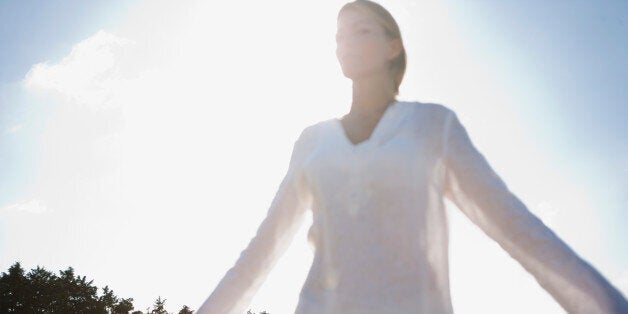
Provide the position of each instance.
(78, 294)
(41, 291)
(185, 310)
(124, 306)
(13, 290)
(108, 299)
(158, 307)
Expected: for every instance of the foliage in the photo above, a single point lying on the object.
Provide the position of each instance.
(40, 291)
(158, 307)
(185, 310)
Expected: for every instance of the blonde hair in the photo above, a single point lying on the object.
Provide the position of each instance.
(385, 19)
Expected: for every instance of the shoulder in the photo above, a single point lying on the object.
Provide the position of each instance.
(312, 131)
(311, 134)
(432, 109)
(307, 140)
(437, 116)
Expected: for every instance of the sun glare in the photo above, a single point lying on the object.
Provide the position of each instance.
(195, 109)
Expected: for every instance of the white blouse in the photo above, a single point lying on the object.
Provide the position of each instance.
(379, 226)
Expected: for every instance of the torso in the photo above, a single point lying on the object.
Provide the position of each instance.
(376, 206)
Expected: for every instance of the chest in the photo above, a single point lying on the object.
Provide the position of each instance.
(401, 154)
(358, 132)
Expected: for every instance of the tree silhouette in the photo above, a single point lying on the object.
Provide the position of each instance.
(158, 307)
(108, 299)
(113, 304)
(185, 310)
(14, 290)
(41, 291)
(73, 293)
(123, 306)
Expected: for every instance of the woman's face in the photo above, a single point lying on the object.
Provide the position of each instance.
(362, 47)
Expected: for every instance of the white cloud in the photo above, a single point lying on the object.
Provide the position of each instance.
(88, 75)
(33, 206)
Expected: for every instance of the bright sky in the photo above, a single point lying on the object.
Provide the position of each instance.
(141, 142)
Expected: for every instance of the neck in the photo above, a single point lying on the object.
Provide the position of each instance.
(372, 95)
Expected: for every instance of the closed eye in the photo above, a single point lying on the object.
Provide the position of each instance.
(361, 31)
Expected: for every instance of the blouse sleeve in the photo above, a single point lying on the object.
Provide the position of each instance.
(235, 291)
(475, 188)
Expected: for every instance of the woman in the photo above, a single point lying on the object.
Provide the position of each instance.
(375, 181)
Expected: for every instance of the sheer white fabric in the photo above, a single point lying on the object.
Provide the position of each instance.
(285, 215)
(483, 197)
(380, 228)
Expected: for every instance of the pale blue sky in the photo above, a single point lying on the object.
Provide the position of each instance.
(33, 32)
(578, 52)
(560, 68)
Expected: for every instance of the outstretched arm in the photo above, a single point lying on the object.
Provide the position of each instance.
(484, 198)
(286, 213)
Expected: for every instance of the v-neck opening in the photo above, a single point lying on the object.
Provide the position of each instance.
(374, 132)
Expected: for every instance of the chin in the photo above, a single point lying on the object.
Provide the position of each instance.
(353, 72)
